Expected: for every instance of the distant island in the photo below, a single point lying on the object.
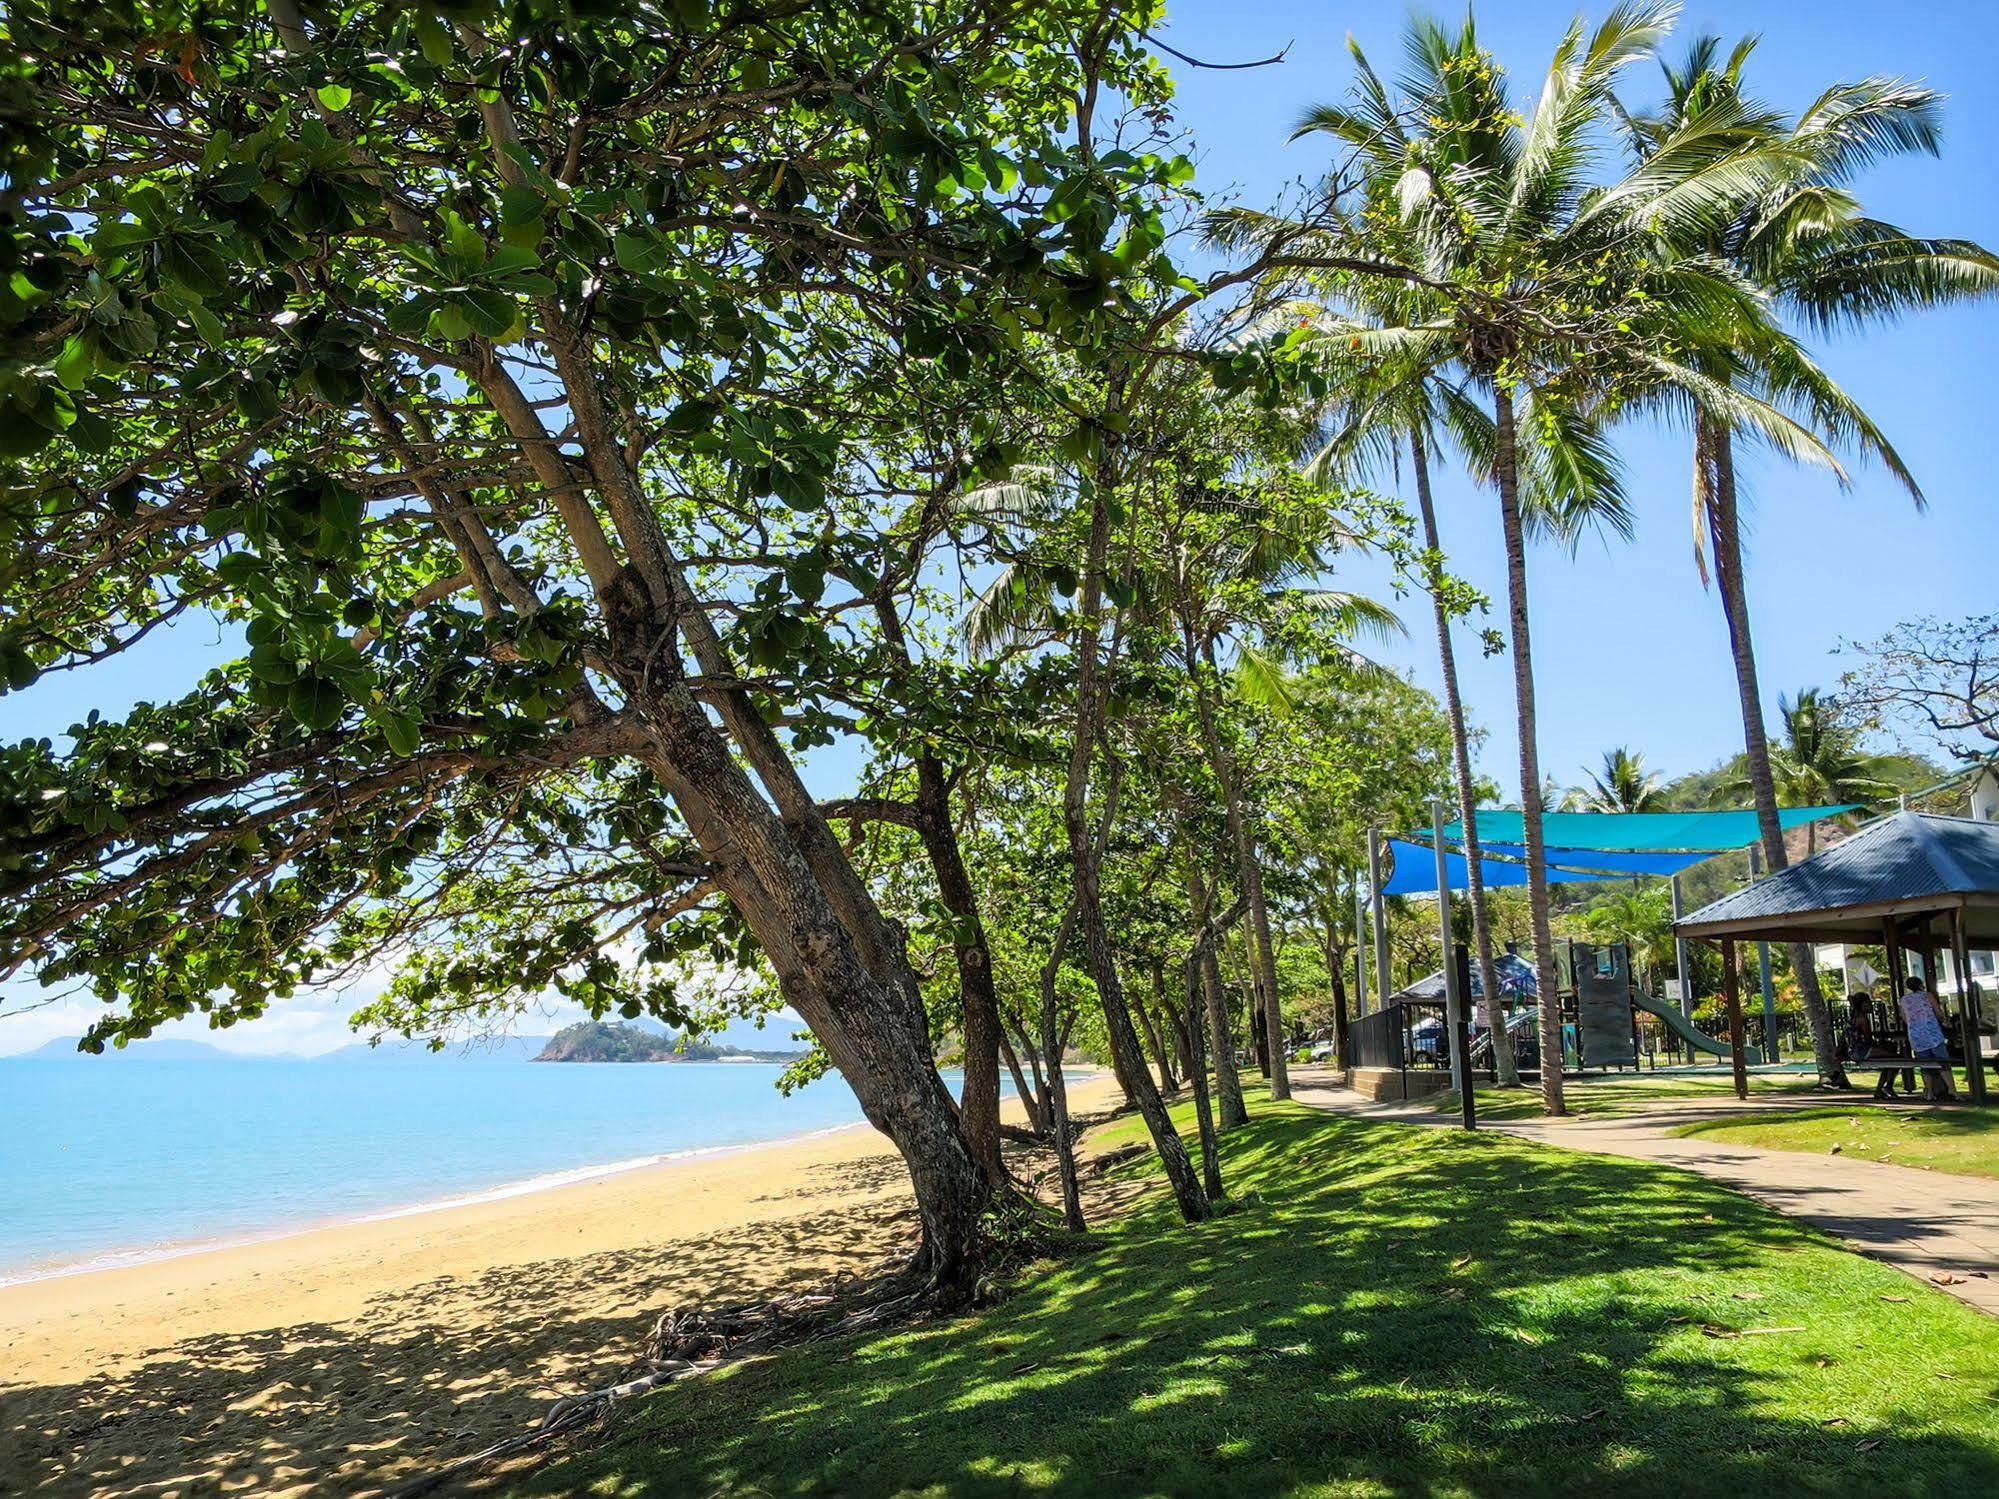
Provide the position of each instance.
(614, 1041)
(152, 1049)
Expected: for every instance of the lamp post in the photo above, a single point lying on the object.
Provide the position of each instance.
(1382, 987)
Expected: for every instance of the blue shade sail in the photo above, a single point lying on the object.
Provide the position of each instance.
(1712, 832)
(1416, 871)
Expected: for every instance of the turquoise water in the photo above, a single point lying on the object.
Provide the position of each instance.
(102, 1162)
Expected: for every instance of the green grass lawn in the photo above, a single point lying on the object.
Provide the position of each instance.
(1958, 1139)
(1621, 1093)
(1395, 1310)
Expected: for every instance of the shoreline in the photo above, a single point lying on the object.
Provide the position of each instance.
(337, 1360)
(109, 1260)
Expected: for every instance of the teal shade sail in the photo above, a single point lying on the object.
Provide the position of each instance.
(1709, 832)
(1597, 859)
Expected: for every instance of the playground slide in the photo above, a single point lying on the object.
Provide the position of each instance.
(1677, 1024)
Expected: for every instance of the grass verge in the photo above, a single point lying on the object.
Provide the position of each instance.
(1960, 1139)
(1607, 1097)
(1391, 1310)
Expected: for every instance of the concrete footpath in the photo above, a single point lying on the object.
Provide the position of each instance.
(1939, 1228)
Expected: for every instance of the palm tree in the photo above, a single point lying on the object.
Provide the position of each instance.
(1387, 411)
(1546, 300)
(1803, 241)
(1622, 785)
(1818, 761)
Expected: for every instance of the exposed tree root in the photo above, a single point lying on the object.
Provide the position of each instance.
(696, 1338)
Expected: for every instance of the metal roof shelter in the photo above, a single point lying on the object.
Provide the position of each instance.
(1907, 864)
(1911, 880)
(1515, 974)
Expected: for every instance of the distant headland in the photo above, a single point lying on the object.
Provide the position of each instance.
(614, 1041)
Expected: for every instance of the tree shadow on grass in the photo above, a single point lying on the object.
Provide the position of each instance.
(1400, 1311)
(423, 1376)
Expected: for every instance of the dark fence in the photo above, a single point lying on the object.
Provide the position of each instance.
(1376, 1040)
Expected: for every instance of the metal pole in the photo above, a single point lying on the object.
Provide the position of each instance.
(1685, 969)
(1454, 1002)
(1680, 960)
(1382, 987)
(1967, 992)
(1763, 971)
(1461, 1037)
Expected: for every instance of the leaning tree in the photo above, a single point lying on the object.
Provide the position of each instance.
(468, 365)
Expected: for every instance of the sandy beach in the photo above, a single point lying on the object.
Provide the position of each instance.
(334, 1360)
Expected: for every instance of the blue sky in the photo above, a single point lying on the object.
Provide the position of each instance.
(1628, 648)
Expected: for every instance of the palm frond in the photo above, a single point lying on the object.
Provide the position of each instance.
(1352, 616)
(1260, 680)
(1017, 604)
(1028, 495)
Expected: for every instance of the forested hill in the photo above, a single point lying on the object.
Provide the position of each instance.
(602, 1041)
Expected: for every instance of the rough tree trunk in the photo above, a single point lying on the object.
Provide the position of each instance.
(1161, 1057)
(1249, 869)
(1447, 657)
(1030, 1098)
(1336, 979)
(1197, 1072)
(1507, 473)
(1058, 1088)
(873, 1027)
(979, 1098)
(1085, 858)
(1714, 468)
(1221, 1035)
(838, 961)
(978, 1001)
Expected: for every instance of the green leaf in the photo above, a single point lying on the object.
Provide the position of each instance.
(433, 39)
(450, 323)
(641, 254)
(257, 400)
(463, 239)
(316, 703)
(402, 732)
(76, 364)
(521, 204)
(335, 96)
(491, 313)
(269, 664)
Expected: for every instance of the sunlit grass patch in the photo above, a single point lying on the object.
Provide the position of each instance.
(1394, 1310)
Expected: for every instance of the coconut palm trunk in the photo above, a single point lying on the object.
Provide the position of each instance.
(1506, 472)
(1488, 973)
(1715, 471)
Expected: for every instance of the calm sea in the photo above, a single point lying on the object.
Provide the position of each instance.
(105, 1162)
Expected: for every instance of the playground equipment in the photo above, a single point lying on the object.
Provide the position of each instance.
(1606, 1035)
(1678, 1024)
